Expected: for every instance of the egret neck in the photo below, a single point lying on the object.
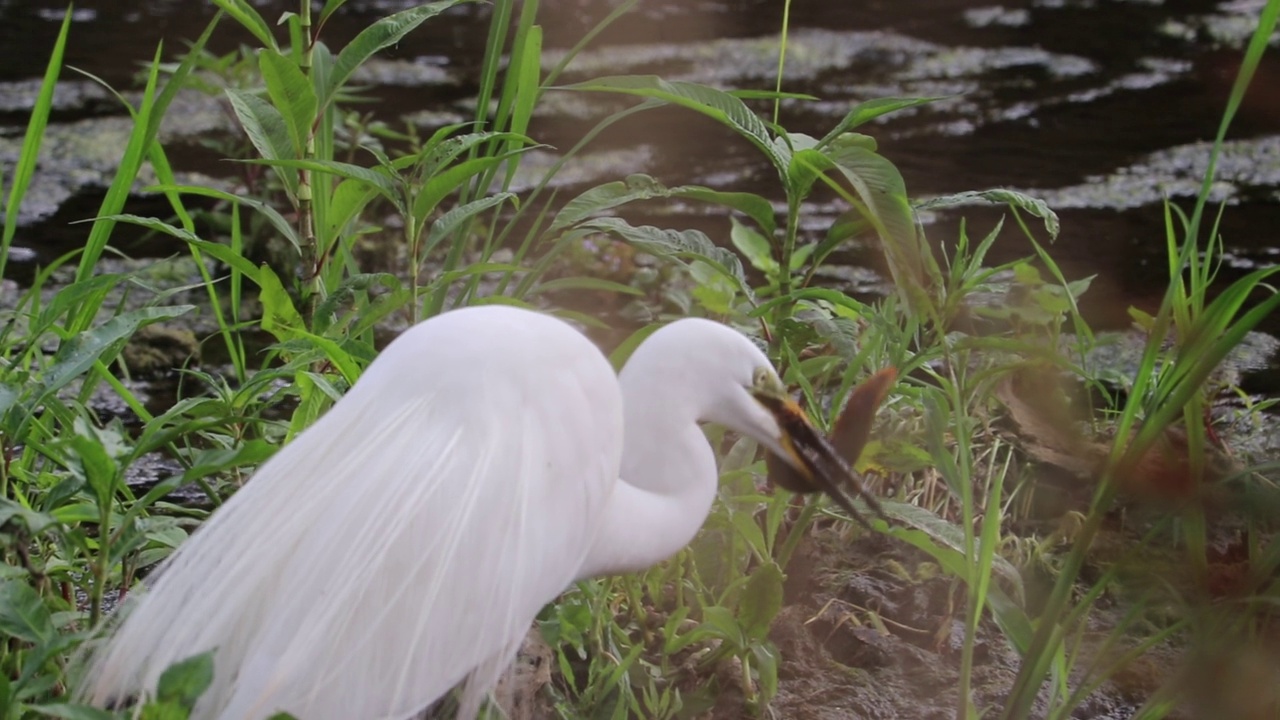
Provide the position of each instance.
(668, 475)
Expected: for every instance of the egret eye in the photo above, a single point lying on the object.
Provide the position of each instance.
(763, 380)
(760, 378)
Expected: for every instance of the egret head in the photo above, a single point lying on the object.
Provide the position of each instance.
(763, 410)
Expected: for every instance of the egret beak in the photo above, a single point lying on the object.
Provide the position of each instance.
(815, 465)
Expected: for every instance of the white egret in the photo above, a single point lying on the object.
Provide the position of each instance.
(403, 544)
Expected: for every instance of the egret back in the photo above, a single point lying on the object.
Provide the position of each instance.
(403, 543)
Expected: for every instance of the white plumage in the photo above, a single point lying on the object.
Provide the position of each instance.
(404, 543)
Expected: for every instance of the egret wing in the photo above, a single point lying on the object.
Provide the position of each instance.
(401, 544)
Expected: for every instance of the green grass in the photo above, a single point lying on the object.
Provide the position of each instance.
(670, 642)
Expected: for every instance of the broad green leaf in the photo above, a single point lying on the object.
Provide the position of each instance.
(101, 470)
(273, 216)
(766, 656)
(643, 187)
(722, 623)
(455, 219)
(284, 322)
(448, 181)
(23, 614)
(186, 680)
(440, 151)
(76, 355)
(771, 95)
(805, 167)
(827, 295)
(349, 291)
(219, 252)
(69, 711)
(583, 283)
(746, 524)
(330, 7)
(607, 196)
(999, 196)
(9, 395)
(801, 256)
(753, 206)
(943, 541)
(716, 104)
(879, 186)
(347, 201)
(321, 72)
(374, 177)
(713, 290)
(279, 316)
(382, 34)
(246, 15)
(91, 290)
(34, 521)
(292, 95)
(870, 110)
(268, 132)
(681, 244)
(755, 247)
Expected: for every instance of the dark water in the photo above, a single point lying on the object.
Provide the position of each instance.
(1093, 103)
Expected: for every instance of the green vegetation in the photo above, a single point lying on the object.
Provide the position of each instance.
(672, 642)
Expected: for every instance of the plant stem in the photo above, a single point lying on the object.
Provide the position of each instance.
(309, 272)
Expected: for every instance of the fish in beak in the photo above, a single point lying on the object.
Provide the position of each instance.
(820, 464)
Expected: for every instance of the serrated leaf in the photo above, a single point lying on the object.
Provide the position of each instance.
(373, 177)
(865, 112)
(219, 252)
(291, 93)
(382, 34)
(273, 216)
(999, 196)
(643, 187)
(450, 180)
(441, 149)
(880, 188)
(453, 220)
(717, 104)
(347, 201)
(268, 132)
(680, 244)
(279, 316)
(75, 356)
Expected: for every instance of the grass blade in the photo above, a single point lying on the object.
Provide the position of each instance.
(31, 141)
